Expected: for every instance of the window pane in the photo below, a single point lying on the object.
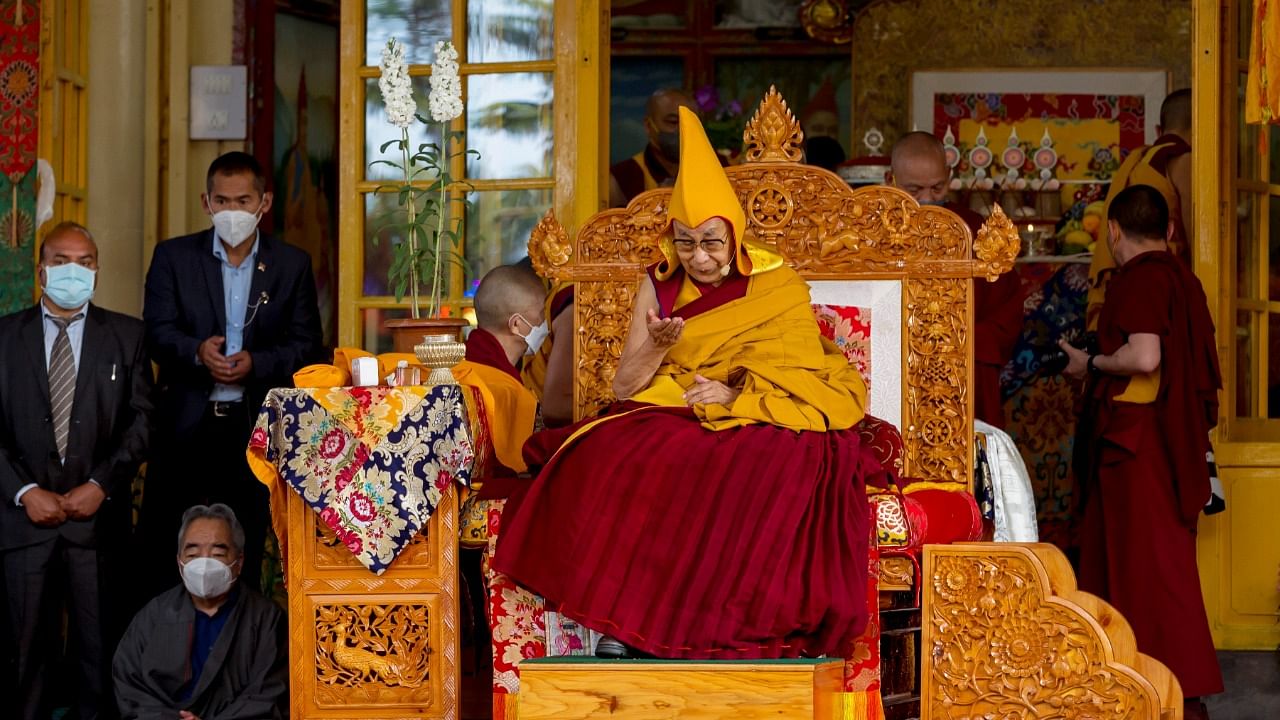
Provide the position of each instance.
(811, 85)
(509, 123)
(1244, 16)
(1273, 365)
(1247, 166)
(751, 15)
(509, 31)
(375, 338)
(498, 226)
(631, 81)
(378, 131)
(418, 24)
(1245, 338)
(1247, 260)
(651, 14)
(1273, 250)
(1274, 176)
(384, 220)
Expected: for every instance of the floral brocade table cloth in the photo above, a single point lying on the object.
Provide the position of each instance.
(373, 462)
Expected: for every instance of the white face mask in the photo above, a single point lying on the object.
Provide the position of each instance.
(207, 577)
(235, 226)
(537, 334)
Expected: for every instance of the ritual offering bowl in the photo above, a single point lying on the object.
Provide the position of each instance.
(440, 353)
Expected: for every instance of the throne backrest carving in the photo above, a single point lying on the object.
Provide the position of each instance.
(829, 233)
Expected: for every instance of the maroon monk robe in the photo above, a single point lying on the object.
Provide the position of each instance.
(997, 318)
(484, 348)
(1146, 480)
(689, 543)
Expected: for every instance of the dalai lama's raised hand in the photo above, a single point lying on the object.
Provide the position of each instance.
(710, 392)
(664, 332)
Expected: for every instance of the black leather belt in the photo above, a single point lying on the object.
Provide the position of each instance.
(225, 408)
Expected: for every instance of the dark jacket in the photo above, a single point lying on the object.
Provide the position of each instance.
(185, 305)
(246, 676)
(110, 423)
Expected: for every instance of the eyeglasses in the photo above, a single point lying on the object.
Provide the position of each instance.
(685, 246)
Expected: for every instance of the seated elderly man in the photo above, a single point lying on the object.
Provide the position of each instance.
(720, 510)
(209, 649)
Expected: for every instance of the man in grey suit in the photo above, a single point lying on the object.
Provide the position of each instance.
(75, 386)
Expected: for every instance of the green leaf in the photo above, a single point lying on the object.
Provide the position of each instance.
(383, 147)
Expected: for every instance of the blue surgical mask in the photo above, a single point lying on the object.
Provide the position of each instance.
(537, 334)
(69, 286)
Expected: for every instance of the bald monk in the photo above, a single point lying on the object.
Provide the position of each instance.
(919, 167)
(510, 325)
(1166, 166)
(656, 165)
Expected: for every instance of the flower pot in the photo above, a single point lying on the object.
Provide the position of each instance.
(408, 332)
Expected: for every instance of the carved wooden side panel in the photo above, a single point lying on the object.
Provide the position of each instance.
(368, 646)
(1006, 634)
(939, 427)
(603, 318)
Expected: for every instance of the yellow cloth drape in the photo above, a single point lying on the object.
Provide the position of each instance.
(509, 407)
(338, 374)
(767, 344)
(1262, 90)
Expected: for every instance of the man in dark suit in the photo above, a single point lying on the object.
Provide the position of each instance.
(75, 401)
(230, 313)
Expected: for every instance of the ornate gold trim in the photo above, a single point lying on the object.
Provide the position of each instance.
(773, 134)
(827, 20)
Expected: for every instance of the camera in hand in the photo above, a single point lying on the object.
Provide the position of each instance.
(1053, 360)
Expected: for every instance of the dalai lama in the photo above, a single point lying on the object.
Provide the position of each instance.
(719, 511)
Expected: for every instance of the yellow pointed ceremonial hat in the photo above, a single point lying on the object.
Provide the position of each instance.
(702, 191)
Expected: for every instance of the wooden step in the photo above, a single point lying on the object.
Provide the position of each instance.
(569, 688)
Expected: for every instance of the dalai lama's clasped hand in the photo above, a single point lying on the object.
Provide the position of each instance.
(710, 392)
(664, 332)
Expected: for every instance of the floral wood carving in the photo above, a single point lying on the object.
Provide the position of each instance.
(938, 429)
(997, 244)
(896, 573)
(605, 308)
(1006, 634)
(773, 133)
(372, 654)
(549, 246)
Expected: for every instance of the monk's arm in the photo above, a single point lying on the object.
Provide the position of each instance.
(557, 388)
(640, 357)
(1138, 356)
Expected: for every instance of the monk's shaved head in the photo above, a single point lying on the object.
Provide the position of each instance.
(505, 291)
(918, 165)
(918, 146)
(1141, 212)
(1175, 113)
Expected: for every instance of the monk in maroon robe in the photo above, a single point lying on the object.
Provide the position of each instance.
(1152, 396)
(919, 167)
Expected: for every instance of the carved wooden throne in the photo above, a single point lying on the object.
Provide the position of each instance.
(923, 260)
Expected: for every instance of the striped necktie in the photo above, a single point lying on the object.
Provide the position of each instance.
(62, 382)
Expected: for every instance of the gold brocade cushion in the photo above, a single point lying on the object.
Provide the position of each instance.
(473, 522)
